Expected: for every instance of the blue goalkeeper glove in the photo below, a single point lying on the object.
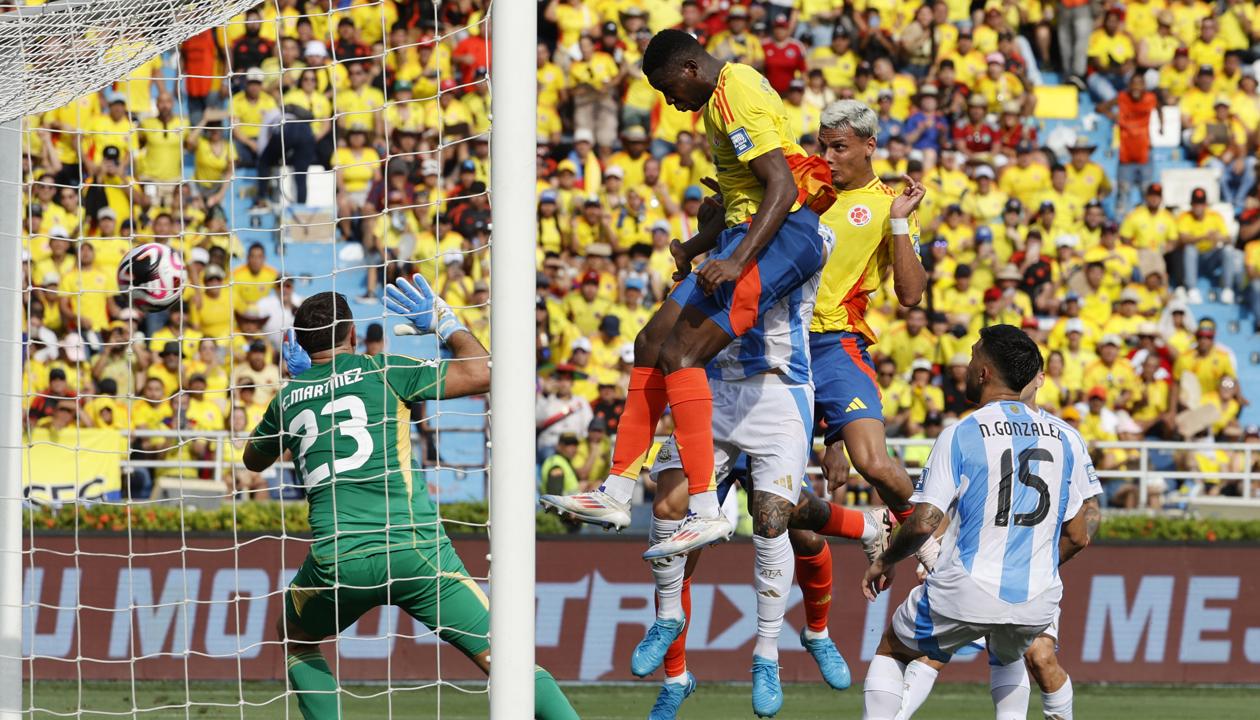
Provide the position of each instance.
(296, 359)
(427, 312)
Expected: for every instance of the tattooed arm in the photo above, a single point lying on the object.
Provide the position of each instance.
(1093, 516)
(1078, 531)
(912, 533)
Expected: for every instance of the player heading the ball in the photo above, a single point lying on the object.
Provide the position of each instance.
(767, 241)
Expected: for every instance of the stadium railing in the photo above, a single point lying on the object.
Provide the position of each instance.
(1154, 466)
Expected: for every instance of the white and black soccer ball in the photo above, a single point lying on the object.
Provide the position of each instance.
(153, 276)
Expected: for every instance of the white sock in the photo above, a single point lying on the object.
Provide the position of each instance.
(618, 488)
(881, 693)
(677, 679)
(773, 566)
(920, 677)
(668, 572)
(1058, 704)
(705, 504)
(869, 531)
(1008, 684)
(820, 635)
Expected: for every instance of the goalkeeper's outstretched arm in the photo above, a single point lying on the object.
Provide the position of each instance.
(468, 373)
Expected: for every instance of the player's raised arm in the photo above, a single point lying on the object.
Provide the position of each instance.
(909, 277)
(469, 372)
(263, 447)
(933, 494)
(712, 223)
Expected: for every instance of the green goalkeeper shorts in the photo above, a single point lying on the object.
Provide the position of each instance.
(429, 584)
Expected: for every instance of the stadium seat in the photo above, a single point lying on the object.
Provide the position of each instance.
(1171, 135)
(1056, 102)
(1180, 182)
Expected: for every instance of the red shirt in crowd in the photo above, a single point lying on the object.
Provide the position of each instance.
(1134, 118)
(976, 138)
(783, 62)
(1011, 137)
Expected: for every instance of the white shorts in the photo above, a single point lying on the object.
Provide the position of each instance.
(919, 627)
(1052, 631)
(765, 417)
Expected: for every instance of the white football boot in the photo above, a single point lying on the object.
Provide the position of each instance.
(882, 520)
(595, 507)
(695, 532)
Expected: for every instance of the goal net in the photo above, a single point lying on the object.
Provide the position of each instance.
(285, 149)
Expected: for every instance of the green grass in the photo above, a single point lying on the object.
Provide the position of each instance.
(713, 701)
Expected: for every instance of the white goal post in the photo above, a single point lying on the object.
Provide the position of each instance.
(513, 168)
(10, 422)
(52, 54)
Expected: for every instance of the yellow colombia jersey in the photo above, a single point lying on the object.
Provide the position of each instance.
(745, 119)
(861, 261)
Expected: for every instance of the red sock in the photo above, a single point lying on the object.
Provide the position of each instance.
(645, 403)
(676, 656)
(692, 405)
(813, 574)
(901, 515)
(844, 522)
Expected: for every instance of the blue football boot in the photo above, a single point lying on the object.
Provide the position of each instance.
(831, 664)
(671, 698)
(650, 652)
(767, 693)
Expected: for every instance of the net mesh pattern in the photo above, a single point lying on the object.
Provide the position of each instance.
(154, 563)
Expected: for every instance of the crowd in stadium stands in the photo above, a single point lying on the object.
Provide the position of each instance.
(382, 93)
(1012, 232)
(394, 97)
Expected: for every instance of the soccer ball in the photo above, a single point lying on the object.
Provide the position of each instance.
(152, 275)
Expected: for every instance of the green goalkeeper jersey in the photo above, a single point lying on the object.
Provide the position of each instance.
(347, 424)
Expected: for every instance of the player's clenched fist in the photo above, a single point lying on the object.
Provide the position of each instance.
(877, 579)
(425, 309)
(909, 199)
(717, 271)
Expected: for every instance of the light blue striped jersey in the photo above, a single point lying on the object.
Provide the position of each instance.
(1008, 476)
(780, 338)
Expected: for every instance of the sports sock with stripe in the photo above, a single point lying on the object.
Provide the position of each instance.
(901, 515)
(772, 579)
(549, 700)
(813, 575)
(645, 403)
(667, 572)
(676, 656)
(316, 687)
(848, 523)
(692, 404)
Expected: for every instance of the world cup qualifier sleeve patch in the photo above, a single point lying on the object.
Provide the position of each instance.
(740, 141)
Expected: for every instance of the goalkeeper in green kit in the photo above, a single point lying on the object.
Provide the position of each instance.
(377, 537)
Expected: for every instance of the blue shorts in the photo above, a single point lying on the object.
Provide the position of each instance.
(844, 381)
(787, 262)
